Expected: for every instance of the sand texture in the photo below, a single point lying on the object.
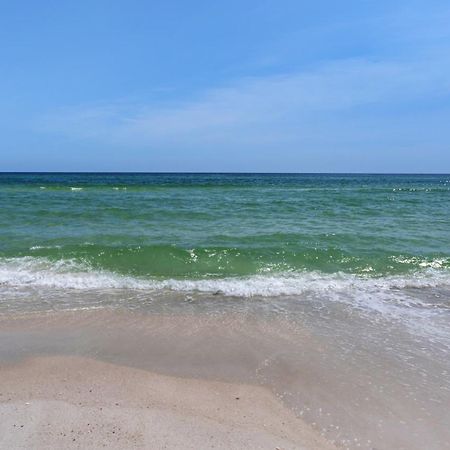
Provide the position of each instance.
(73, 402)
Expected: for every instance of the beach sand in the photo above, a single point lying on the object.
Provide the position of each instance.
(191, 378)
(75, 402)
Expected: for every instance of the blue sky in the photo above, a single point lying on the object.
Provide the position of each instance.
(288, 86)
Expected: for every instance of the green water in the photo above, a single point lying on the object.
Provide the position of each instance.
(196, 226)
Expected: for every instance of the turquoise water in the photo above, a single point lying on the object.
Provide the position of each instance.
(206, 226)
(376, 241)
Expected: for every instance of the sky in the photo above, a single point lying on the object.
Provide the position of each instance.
(230, 86)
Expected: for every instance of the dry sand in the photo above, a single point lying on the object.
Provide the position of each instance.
(71, 402)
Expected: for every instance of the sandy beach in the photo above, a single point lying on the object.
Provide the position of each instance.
(175, 378)
(73, 402)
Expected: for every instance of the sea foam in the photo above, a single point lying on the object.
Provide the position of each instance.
(414, 299)
(71, 274)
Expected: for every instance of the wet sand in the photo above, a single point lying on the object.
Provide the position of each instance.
(170, 377)
(74, 402)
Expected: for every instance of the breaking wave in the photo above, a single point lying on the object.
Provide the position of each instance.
(71, 274)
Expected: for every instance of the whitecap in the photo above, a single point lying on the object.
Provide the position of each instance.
(42, 247)
(72, 274)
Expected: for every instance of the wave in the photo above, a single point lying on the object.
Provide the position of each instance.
(71, 274)
(263, 254)
(418, 300)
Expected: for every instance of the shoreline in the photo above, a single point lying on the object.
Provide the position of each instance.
(78, 402)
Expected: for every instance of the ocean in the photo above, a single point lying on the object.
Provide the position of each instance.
(360, 263)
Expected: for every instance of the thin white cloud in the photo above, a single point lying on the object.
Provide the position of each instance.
(342, 101)
(291, 107)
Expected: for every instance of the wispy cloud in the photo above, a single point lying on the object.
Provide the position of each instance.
(343, 101)
(258, 110)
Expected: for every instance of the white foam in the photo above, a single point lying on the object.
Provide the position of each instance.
(62, 274)
(42, 247)
(70, 274)
(396, 297)
(435, 263)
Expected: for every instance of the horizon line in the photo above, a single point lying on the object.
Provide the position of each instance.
(214, 173)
